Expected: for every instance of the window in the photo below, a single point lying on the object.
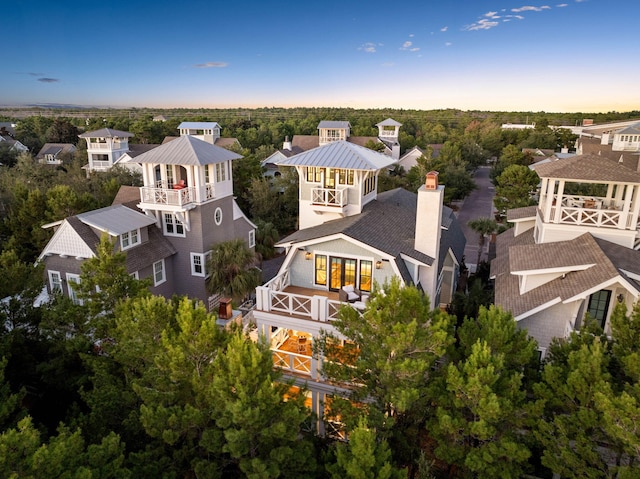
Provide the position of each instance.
(321, 269)
(345, 177)
(366, 272)
(169, 172)
(207, 174)
(129, 239)
(73, 279)
(55, 282)
(220, 172)
(158, 273)
(599, 305)
(199, 263)
(252, 238)
(172, 225)
(314, 174)
(369, 184)
(217, 216)
(135, 275)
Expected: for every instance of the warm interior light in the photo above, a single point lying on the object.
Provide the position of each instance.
(308, 255)
(378, 264)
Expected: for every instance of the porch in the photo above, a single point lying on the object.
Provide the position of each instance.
(279, 296)
(175, 195)
(587, 210)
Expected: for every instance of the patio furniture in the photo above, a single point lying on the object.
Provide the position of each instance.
(349, 294)
(302, 344)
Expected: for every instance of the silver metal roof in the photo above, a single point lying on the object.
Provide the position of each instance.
(198, 125)
(186, 150)
(334, 124)
(388, 122)
(106, 133)
(115, 219)
(340, 154)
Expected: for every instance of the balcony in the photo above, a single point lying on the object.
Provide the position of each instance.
(161, 195)
(279, 296)
(329, 199)
(588, 211)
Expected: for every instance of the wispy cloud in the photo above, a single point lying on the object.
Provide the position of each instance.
(408, 46)
(483, 24)
(561, 5)
(529, 8)
(48, 80)
(448, 44)
(211, 65)
(368, 47)
(444, 29)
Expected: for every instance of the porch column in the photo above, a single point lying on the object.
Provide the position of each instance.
(558, 212)
(635, 205)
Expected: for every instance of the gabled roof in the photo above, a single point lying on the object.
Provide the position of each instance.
(115, 219)
(340, 154)
(106, 133)
(587, 168)
(387, 224)
(187, 150)
(55, 149)
(334, 124)
(389, 122)
(526, 212)
(587, 263)
(630, 130)
(198, 125)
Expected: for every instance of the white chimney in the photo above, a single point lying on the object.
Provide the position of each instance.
(429, 216)
(287, 144)
(604, 140)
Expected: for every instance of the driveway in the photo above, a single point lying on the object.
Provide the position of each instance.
(477, 205)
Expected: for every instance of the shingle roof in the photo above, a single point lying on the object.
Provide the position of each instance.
(340, 154)
(630, 130)
(521, 213)
(587, 168)
(106, 133)
(187, 150)
(387, 224)
(590, 262)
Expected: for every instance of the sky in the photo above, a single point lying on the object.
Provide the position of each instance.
(496, 55)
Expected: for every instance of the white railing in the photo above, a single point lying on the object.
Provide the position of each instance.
(328, 139)
(291, 303)
(292, 362)
(166, 196)
(107, 146)
(588, 211)
(329, 196)
(101, 164)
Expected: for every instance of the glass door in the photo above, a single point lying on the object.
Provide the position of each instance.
(342, 272)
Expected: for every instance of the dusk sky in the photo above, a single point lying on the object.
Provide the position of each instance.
(573, 55)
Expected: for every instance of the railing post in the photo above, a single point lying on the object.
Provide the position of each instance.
(321, 305)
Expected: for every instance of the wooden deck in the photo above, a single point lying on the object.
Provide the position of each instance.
(312, 292)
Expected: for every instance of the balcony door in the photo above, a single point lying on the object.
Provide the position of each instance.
(342, 272)
(329, 178)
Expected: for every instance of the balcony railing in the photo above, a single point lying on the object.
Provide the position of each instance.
(107, 146)
(162, 195)
(589, 211)
(311, 304)
(329, 196)
(101, 164)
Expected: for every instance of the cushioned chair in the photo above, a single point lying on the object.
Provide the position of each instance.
(349, 294)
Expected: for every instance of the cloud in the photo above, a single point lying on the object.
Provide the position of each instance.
(408, 45)
(411, 35)
(48, 80)
(448, 44)
(444, 29)
(529, 8)
(368, 47)
(211, 65)
(561, 5)
(483, 24)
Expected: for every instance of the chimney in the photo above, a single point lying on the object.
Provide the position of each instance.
(287, 144)
(429, 216)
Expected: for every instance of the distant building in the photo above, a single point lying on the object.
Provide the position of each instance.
(105, 147)
(53, 153)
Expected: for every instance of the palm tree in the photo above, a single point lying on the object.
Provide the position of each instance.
(233, 269)
(484, 227)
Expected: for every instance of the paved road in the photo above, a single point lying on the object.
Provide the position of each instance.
(478, 204)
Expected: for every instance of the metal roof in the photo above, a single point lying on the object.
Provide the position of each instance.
(198, 125)
(334, 124)
(186, 150)
(630, 130)
(389, 122)
(106, 133)
(340, 154)
(115, 219)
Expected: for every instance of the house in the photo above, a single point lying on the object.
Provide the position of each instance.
(208, 131)
(76, 239)
(351, 238)
(53, 153)
(410, 157)
(105, 147)
(619, 141)
(12, 143)
(329, 131)
(575, 252)
(184, 208)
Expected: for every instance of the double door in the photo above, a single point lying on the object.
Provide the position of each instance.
(342, 271)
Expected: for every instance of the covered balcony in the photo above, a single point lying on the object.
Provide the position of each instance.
(178, 195)
(586, 210)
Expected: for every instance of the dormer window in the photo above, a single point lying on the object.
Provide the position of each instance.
(129, 239)
(334, 135)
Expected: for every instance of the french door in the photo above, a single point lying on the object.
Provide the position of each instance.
(342, 272)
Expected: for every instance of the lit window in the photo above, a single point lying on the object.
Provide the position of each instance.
(158, 273)
(321, 269)
(314, 174)
(365, 275)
